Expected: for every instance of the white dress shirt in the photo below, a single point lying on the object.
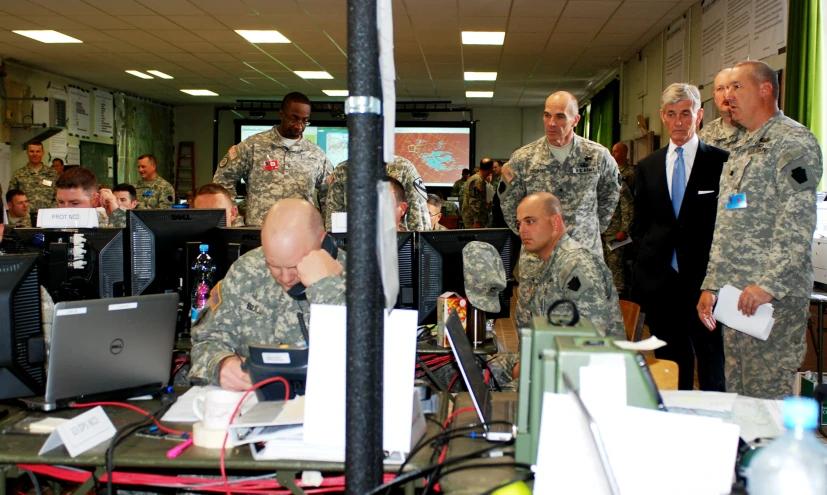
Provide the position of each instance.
(690, 149)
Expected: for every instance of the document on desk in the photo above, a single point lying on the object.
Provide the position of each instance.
(726, 311)
(697, 399)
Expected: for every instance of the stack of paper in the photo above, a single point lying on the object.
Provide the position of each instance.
(726, 311)
(182, 412)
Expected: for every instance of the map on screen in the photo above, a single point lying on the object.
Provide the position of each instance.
(438, 153)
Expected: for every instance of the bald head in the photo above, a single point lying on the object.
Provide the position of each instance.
(564, 98)
(540, 222)
(292, 229)
(560, 116)
(619, 152)
(550, 203)
(719, 94)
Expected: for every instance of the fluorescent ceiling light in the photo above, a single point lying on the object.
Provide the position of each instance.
(483, 37)
(335, 92)
(480, 76)
(259, 36)
(48, 36)
(199, 92)
(479, 94)
(313, 74)
(160, 74)
(139, 74)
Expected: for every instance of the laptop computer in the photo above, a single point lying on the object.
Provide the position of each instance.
(477, 388)
(104, 347)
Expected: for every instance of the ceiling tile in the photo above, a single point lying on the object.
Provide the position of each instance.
(176, 35)
(533, 8)
(12, 22)
(483, 23)
(120, 7)
(236, 21)
(222, 8)
(531, 24)
(643, 10)
(593, 9)
(484, 8)
(102, 21)
(172, 7)
(64, 7)
(198, 23)
(149, 22)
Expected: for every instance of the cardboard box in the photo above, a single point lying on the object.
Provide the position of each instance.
(445, 303)
(805, 384)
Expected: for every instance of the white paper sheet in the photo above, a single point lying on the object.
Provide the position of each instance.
(726, 311)
(181, 411)
(697, 399)
(649, 344)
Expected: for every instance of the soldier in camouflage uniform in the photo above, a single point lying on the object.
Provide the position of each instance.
(213, 196)
(35, 179)
(278, 163)
(435, 210)
(78, 188)
(252, 306)
(627, 171)
(474, 200)
(722, 132)
(18, 214)
(153, 191)
(619, 229)
(416, 218)
(456, 191)
(581, 173)
(763, 235)
(569, 270)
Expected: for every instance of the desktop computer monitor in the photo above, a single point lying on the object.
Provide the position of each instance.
(231, 244)
(22, 240)
(439, 266)
(76, 263)
(22, 347)
(405, 254)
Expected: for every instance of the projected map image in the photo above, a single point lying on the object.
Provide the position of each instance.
(438, 156)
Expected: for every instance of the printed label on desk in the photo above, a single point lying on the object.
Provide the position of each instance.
(122, 306)
(275, 357)
(71, 311)
(81, 433)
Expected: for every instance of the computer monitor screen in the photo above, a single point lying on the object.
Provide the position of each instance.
(22, 349)
(438, 150)
(405, 254)
(440, 269)
(157, 247)
(80, 264)
(22, 240)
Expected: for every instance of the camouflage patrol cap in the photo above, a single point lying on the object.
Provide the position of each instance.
(484, 275)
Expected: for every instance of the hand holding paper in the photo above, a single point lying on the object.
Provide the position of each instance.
(728, 312)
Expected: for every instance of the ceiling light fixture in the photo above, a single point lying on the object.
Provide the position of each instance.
(335, 92)
(139, 74)
(483, 37)
(199, 92)
(313, 74)
(48, 36)
(479, 94)
(480, 76)
(160, 74)
(262, 36)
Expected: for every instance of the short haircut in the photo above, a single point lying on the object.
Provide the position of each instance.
(211, 188)
(435, 200)
(678, 92)
(294, 97)
(11, 193)
(124, 187)
(58, 160)
(78, 178)
(550, 201)
(466, 171)
(397, 188)
(150, 157)
(762, 73)
(34, 142)
(486, 164)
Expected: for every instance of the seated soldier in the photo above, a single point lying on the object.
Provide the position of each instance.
(78, 188)
(435, 209)
(127, 196)
(18, 203)
(399, 202)
(254, 303)
(215, 196)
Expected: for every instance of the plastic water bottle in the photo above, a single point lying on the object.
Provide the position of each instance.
(793, 463)
(203, 270)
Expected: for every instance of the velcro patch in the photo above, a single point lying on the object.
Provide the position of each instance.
(233, 153)
(215, 297)
(507, 174)
(223, 162)
(420, 187)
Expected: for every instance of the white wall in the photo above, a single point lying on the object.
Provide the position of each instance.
(195, 123)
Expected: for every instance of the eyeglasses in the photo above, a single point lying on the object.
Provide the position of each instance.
(302, 122)
(435, 214)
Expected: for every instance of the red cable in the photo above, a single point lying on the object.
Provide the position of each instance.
(132, 408)
(232, 417)
(452, 382)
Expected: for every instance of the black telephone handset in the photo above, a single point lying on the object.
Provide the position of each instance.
(298, 290)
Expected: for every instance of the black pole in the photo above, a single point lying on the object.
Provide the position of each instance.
(363, 451)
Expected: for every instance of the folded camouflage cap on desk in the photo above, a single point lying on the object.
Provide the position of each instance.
(484, 275)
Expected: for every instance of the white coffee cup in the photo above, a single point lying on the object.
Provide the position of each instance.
(215, 408)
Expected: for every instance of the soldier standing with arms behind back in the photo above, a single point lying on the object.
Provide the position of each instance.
(474, 203)
(277, 164)
(579, 172)
(763, 235)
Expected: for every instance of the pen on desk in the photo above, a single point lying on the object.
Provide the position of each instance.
(176, 451)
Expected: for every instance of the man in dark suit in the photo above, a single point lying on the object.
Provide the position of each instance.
(676, 195)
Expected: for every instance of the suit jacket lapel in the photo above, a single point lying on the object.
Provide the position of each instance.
(662, 185)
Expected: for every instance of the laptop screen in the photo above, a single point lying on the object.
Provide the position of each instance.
(468, 368)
